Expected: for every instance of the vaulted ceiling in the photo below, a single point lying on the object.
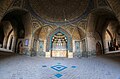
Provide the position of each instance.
(58, 10)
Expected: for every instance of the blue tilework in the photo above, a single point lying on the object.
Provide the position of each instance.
(44, 66)
(58, 67)
(58, 63)
(58, 75)
(74, 66)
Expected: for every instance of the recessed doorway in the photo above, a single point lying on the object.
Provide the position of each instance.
(59, 45)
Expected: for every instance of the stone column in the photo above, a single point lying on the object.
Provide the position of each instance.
(4, 43)
(91, 43)
(44, 46)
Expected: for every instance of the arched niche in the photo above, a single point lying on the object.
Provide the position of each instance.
(18, 20)
(98, 49)
(98, 21)
(50, 36)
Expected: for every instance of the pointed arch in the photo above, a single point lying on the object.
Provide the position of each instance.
(11, 41)
(98, 48)
(109, 34)
(49, 39)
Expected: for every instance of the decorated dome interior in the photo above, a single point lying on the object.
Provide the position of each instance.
(58, 10)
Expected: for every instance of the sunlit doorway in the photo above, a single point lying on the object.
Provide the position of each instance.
(59, 45)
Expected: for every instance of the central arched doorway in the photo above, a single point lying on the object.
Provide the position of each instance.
(59, 43)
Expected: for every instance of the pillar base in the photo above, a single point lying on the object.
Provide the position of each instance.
(70, 54)
(47, 54)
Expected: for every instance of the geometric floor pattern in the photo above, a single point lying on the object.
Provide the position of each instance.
(25, 67)
(58, 67)
(74, 66)
(58, 75)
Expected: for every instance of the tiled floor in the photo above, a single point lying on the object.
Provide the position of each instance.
(25, 67)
